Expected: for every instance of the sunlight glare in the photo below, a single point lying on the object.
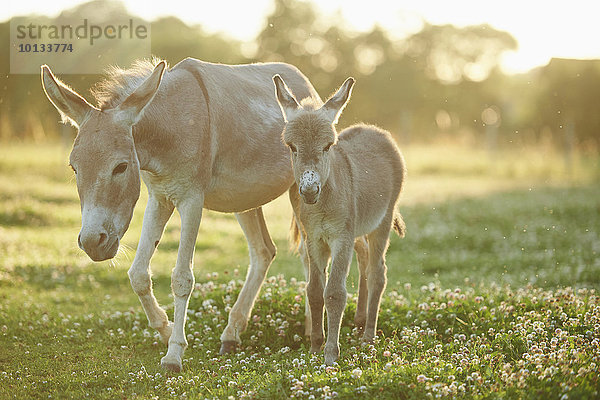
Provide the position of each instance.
(542, 29)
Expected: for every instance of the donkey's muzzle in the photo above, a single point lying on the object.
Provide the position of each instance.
(99, 246)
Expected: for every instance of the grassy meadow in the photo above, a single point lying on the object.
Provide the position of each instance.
(492, 294)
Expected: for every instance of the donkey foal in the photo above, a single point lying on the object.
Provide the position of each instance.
(349, 185)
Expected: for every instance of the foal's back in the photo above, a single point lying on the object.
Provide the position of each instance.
(374, 170)
(377, 166)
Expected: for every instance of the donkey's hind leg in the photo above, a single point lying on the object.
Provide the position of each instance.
(376, 275)
(262, 251)
(361, 247)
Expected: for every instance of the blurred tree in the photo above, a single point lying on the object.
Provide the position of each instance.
(569, 94)
(173, 40)
(401, 85)
(451, 54)
(436, 82)
(25, 113)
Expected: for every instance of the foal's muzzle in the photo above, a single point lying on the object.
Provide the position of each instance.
(309, 186)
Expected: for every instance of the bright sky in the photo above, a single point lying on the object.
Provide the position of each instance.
(544, 29)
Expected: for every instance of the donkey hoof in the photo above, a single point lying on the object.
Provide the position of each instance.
(332, 354)
(367, 340)
(171, 364)
(228, 346)
(330, 359)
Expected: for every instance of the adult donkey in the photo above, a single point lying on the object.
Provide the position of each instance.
(201, 135)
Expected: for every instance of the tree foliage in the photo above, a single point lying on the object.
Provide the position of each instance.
(435, 82)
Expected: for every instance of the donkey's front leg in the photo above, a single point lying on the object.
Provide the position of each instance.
(298, 235)
(182, 279)
(336, 295)
(303, 252)
(158, 211)
(262, 251)
(318, 255)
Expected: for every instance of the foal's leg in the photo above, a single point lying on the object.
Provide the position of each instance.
(302, 251)
(376, 275)
(262, 251)
(362, 255)
(336, 295)
(182, 279)
(158, 211)
(318, 254)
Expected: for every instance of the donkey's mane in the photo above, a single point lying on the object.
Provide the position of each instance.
(120, 83)
(311, 104)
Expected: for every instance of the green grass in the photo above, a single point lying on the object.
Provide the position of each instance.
(492, 294)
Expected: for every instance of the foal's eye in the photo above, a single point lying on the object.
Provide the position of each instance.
(326, 148)
(119, 169)
(292, 147)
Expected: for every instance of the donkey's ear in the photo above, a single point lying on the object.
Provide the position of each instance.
(336, 103)
(286, 100)
(71, 106)
(132, 108)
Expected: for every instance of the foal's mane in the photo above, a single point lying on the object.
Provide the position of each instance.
(120, 83)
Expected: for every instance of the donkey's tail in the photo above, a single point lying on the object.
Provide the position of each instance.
(399, 225)
(294, 236)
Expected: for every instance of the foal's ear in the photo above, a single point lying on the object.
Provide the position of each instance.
(132, 108)
(71, 106)
(287, 102)
(336, 103)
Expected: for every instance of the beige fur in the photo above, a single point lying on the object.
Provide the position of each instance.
(200, 135)
(348, 187)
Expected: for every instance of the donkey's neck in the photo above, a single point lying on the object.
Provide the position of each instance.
(174, 126)
(146, 153)
(144, 156)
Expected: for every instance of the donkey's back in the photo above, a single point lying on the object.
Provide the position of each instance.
(241, 159)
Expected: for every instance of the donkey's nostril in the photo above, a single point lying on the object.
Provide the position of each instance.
(79, 241)
(102, 239)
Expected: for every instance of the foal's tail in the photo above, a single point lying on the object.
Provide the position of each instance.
(294, 236)
(399, 225)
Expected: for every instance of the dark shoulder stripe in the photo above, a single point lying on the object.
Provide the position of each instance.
(196, 74)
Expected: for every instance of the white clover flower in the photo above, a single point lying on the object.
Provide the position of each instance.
(357, 373)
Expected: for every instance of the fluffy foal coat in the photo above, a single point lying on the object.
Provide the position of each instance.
(348, 187)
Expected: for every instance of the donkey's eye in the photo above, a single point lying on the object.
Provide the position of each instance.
(119, 169)
(326, 148)
(292, 147)
(73, 168)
